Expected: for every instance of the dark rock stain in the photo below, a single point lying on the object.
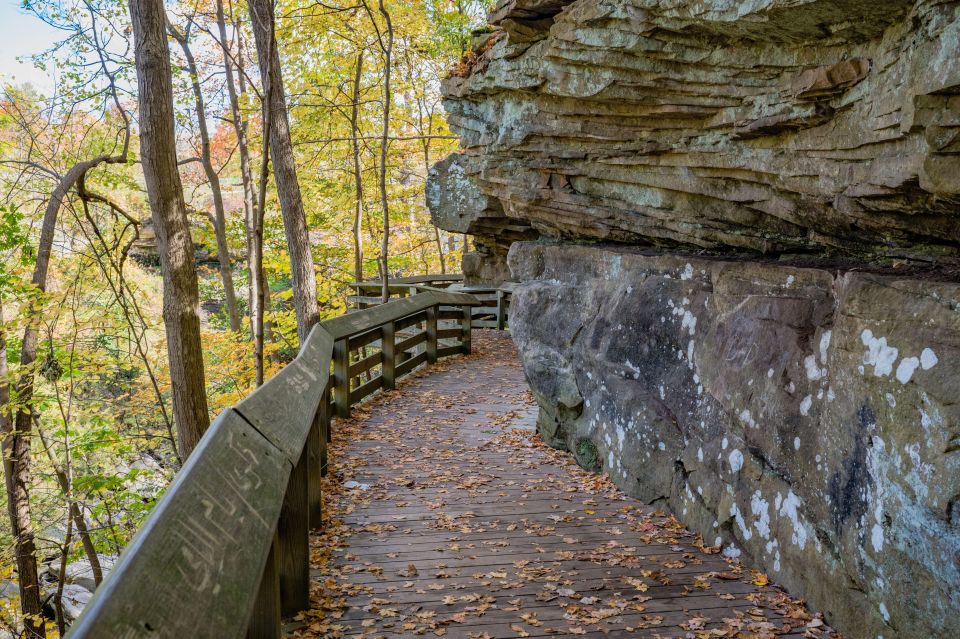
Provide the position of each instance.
(848, 486)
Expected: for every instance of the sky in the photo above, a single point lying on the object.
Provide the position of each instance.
(23, 34)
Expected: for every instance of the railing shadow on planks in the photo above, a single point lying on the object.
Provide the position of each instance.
(225, 552)
(491, 313)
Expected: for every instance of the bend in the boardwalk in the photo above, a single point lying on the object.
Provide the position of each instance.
(449, 518)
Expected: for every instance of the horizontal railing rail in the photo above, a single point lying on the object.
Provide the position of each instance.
(225, 551)
(492, 312)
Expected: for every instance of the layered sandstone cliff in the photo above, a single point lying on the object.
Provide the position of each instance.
(764, 126)
(743, 300)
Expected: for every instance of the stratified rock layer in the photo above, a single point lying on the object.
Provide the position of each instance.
(803, 417)
(769, 126)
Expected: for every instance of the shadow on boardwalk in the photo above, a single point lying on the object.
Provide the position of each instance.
(450, 518)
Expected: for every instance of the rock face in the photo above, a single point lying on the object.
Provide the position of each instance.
(768, 127)
(736, 228)
(804, 418)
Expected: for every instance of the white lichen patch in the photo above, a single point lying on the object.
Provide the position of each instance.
(906, 369)
(736, 460)
(814, 372)
(879, 354)
(760, 508)
(928, 359)
(789, 507)
(825, 345)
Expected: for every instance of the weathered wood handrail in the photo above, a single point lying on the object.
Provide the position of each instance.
(226, 550)
(491, 313)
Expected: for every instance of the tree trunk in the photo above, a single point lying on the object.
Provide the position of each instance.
(387, 48)
(213, 179)
(285, 170)
(254, 240)
(158, 155)
(436, 229)
(357, 172)
(16, 472)
(76, 514)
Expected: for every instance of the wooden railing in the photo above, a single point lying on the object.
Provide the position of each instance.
(226, 550)
(492, 312)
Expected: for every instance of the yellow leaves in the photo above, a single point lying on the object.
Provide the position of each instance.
(759, 579)
(517, 628)
(531, 619)
(696, 623)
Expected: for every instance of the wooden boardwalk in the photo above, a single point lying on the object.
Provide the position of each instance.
(449, 518)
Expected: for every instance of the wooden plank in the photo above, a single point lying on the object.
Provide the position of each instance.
(194, 568)
(501, 310)
(449, 333)
(341, 377)
(315, 446)
(432, 334)
(412, 341)
(294, 392)
(365, 364)
(449, 313)
(410, 364)
(412, 320)
(324, 415)
(293, 541)
(368, 388)
(447, 351)
(388, 355)
(265, 618)
(413, 279)
(354, 323)
(466, 325)
(363, 339)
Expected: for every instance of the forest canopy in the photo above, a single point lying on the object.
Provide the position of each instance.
(349, 95)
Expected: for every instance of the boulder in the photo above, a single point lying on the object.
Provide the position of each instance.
(75, 599)
(80, 572)
(803, 418)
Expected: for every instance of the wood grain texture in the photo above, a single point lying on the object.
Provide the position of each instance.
(194, 567)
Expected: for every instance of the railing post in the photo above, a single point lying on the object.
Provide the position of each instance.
(388, 343)
(265, 620)
(501, 310)
(315, 446)
(466, 326)
(341, 377)
(326, 426)
(293, 533)
(432, 334)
